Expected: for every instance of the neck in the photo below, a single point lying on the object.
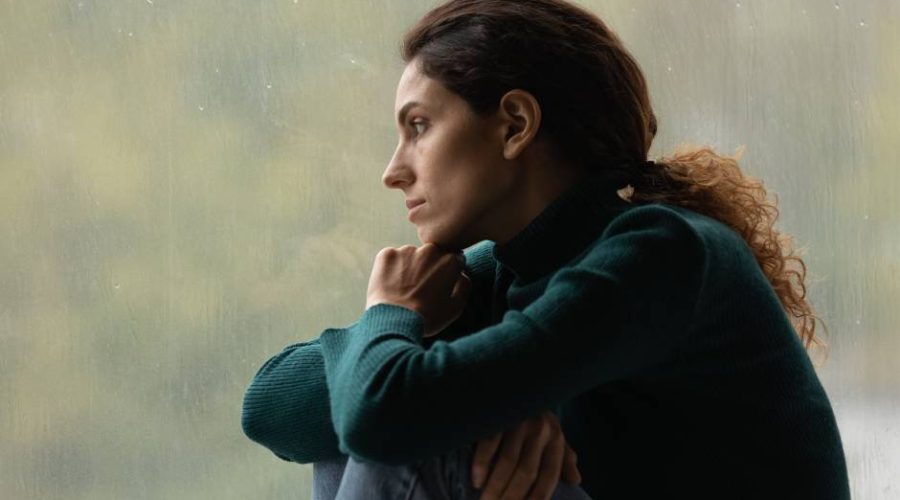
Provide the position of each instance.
(533, 193)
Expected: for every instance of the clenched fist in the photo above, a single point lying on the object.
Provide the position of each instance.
(428, 280)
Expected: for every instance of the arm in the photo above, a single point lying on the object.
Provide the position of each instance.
(286, 408)
(616, 313)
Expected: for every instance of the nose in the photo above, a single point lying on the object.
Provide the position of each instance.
(396, 174)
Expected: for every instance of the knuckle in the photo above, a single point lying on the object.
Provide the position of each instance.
(553, 422)
(544, 432)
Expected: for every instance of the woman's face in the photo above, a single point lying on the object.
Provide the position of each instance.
(450, 158)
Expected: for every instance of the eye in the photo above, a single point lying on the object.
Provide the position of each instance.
(415, 124)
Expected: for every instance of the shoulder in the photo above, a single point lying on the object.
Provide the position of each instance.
(678, 228)
(661, 243)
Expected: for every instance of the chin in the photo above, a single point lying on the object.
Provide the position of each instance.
(451, 241)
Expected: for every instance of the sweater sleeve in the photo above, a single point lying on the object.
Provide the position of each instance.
(618, 311)
(286, 407)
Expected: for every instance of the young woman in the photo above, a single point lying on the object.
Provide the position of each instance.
(644, 316)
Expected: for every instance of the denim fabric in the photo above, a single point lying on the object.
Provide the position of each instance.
(446, 477)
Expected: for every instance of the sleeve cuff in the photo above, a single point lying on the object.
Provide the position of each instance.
(392, 318)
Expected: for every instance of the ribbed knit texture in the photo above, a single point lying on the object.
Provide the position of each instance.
(649, 330)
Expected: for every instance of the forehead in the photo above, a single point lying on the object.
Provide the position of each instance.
(415, 86)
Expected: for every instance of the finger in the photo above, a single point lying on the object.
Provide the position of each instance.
(526, 472)
(461, 291)
(481, 460)
(570, 472)
(507, 459)
(551, 465)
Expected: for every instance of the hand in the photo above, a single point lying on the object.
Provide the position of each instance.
(533, 456)
(427, 280)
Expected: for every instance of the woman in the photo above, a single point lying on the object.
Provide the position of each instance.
(643, 315)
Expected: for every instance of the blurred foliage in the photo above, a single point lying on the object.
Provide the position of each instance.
(187, 187)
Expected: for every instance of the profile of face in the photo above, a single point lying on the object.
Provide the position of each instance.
(466, 169)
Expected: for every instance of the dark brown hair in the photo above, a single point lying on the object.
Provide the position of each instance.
(595, 111)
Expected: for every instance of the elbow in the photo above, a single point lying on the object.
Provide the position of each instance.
(264, 427)
(253, 422)
(257, 423)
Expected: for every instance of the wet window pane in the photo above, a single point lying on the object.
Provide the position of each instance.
(187, 187)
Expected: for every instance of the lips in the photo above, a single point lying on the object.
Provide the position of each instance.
(410, 204)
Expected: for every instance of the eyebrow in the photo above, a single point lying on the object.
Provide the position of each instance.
(405, 109)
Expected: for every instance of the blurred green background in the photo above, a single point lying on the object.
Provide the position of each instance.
(186, 187)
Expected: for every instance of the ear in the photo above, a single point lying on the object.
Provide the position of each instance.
(520, 117)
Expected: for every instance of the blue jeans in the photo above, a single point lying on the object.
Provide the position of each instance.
(443, 478)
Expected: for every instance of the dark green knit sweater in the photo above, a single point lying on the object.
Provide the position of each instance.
(650, 331)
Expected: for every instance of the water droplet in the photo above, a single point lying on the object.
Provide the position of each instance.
(837, 6)
(866, 217)
(862, 22)
(738, 4)
(858, 322)
(150, 2)
(130, 34)
(669, 68)
(116, 286)
(200, 108)
(268, 85)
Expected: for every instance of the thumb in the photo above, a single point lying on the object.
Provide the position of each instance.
(461, 291)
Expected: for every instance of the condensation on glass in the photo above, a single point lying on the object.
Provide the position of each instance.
(188, 187)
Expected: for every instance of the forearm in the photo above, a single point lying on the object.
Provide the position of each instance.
(287, 405)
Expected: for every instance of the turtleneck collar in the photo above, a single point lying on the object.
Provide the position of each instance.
(562, 230)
